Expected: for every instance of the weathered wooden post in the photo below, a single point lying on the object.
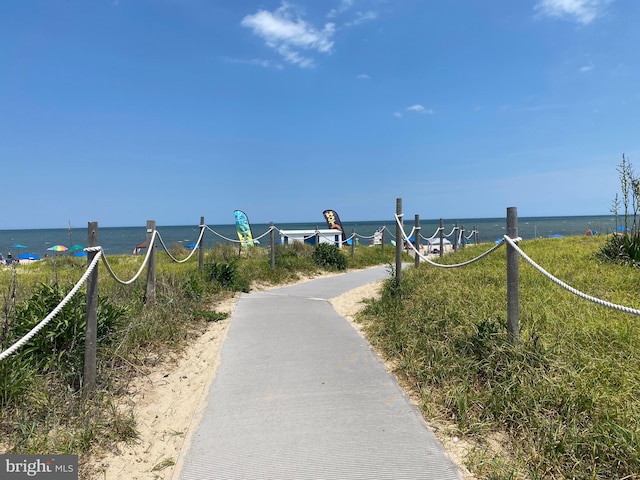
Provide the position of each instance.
(317, 236)
(201, 245)
(513, 296)
(399, 240)
(475, 235)
(416, 236)
(353, 243)
(455, 236)
(462, 239)
(384, 228)
(272, 244)
(151, 266)
(91, 334)
(441, 237)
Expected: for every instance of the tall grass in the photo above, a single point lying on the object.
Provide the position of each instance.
(42, 408)
(566, 398)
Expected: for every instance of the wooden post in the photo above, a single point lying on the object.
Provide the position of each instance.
(441, 237)
(416, 235)
(399, 240)
(384, 229)
(462, 239)
(151, 266)
(91, 335)
(353, 243)
(475, 235)
(513, 296)
(201, 246)
(272, 244)
(455, 236)
(317, 236)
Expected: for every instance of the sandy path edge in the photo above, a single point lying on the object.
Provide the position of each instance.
(169, 401)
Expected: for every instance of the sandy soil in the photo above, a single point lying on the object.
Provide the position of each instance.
(169, 401)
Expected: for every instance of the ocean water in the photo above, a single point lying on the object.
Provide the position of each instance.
(122, 240)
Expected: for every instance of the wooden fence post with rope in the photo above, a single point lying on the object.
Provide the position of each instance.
(513, 273)
(201, 246)
(272, 244)
(91, 334)
(151, 266)
(416, 236)
(399, 240)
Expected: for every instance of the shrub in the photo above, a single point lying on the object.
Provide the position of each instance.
(329, 256)
(227, 275)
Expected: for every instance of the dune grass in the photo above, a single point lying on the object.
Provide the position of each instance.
(43, 410)
(565, 399)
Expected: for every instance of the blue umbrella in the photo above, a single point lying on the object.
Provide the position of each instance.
(190, 245)
(28, 256)
(18, 245)
(80, 254)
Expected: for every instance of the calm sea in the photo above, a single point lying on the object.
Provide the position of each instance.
(121, 240)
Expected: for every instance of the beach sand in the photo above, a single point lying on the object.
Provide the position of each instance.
(168, 402)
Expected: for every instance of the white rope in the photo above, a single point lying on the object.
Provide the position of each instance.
(470, 235)
(222, 236)
(265, 233)
(4, 354)
(193, 250)
(362, 236)
(434, 234)
(137, 275)
(568, 287)
(451, 232)
(464, 264)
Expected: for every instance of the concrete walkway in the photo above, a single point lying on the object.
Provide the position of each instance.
(299, 394)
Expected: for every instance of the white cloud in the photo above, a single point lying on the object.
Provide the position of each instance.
(584, 11)
(290, 35)
(397, 114)
(586, 68)
(363, 76)
(362, 17)
(343, 7)
(256, 62)
(420, 109)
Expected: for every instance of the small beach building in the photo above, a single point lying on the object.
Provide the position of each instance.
(312, 237)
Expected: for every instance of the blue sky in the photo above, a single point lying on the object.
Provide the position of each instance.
(119, 111)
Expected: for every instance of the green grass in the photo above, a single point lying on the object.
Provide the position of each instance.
(42, 407)
(566, 397)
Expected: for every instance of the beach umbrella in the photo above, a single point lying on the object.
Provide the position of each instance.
(28, 256)
(74, 248)
(190, 245)
(58, 248)
(80, 254)
(18, 245)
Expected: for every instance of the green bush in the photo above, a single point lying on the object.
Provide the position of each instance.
(227, 275)
(329, 256)
(622, 248)
(59, 347)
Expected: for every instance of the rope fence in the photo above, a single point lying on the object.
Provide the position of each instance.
(511, 240)
(401, 240)
(96, 253)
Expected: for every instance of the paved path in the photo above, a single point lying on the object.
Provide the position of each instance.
(299, 394)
